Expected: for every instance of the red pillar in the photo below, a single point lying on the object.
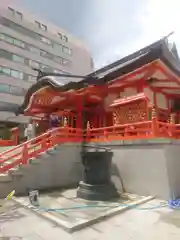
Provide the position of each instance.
(79, 117)
(15, 135)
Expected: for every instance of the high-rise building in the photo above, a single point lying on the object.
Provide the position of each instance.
(27, 42)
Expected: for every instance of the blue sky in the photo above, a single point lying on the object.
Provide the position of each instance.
(112, 28)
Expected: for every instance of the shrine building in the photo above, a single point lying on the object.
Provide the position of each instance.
(131, 107)
(135, 97)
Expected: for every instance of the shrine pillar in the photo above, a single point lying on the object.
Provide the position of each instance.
(15, 135)
(154, 122)
(79, 116)
(172, 118)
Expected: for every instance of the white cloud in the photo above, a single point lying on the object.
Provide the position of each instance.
(113, 28)
(153, 20)
(159, 18)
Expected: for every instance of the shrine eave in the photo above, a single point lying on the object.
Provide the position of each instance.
(127, 100)
(156, 51)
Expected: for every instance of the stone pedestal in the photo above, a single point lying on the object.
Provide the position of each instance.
(96, 183)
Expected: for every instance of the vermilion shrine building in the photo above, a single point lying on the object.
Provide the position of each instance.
(135, 97)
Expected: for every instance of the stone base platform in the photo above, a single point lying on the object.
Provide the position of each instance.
(73, 214)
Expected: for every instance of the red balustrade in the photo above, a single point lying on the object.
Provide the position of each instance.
(168, 130)
(139, 130)
(6, 143)
(22, 153)
(13, 141)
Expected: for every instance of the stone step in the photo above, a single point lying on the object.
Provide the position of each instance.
(5, 177)
(43, 155)
(35, 161)
(19, 169)
(52, 151)
(24, 168)
(8, 162)
(59, 146)
(15, 171)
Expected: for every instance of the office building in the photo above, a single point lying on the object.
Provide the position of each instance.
(27, 42)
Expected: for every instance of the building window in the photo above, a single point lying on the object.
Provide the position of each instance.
(10, 24)
(19, 43)
(32, 78)
(16, 74)
(43, 53)
(6, 71)
(46, 55)
(57, 47)
(17, 58)
(11, 72)
(34, 50)
(19, 15)
(34, 64)
(43, 27)
(8, 106)
(11, 10)
(9, 39)
(46, 40)
(16, 91)
(1, 36)
(4, 88)
(10, 56)
(66, 50)
(46, 68)
(65, 62)
(58, 59)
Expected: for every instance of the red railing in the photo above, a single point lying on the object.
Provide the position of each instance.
(22, 153)
(168, 130)
(6, 143)
(141, 130)
(121, 132)
(13, 141)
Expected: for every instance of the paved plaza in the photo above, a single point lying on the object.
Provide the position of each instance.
(133, 224)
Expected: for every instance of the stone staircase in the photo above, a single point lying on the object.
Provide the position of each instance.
(59, 166)
(4, 176)
(15, 170)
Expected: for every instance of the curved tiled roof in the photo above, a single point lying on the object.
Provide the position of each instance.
(157, 50)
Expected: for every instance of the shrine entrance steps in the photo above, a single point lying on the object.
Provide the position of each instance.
(2, 149)
(144, 167)
(59, 166)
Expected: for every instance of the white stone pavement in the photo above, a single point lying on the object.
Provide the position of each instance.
(132, 224)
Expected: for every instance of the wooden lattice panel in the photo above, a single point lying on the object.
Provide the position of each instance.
(43, 101)
(134, 112)
(163, 117)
